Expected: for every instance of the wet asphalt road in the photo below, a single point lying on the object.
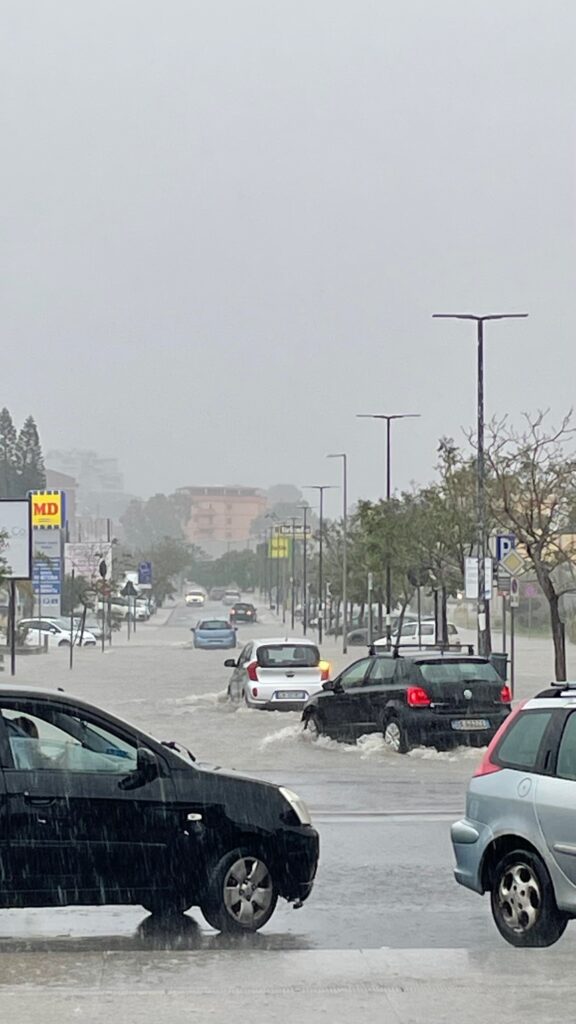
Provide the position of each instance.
(385, 883)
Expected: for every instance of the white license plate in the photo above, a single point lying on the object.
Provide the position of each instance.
(469, 724)
(291, 695)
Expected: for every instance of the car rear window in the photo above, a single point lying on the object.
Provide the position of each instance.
(214, 624)
(521, 742)
(288, 656)
(459, 672)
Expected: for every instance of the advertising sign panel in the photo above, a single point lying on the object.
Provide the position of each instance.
(16, 548)
(47, 509)
(47, 572)
(85, 558)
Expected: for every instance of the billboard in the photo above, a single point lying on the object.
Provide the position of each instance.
(47, 572)
(16, 546)
(47, 510)
(85, 558)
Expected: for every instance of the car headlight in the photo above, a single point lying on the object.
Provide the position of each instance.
(298, 805)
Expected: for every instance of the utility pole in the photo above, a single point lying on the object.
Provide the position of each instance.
(320, 488)
(484, 639)
(388, 418)
(305, 510)
(343, 456)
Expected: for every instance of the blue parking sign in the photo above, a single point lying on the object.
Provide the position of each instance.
(145, 574)
(505, 543)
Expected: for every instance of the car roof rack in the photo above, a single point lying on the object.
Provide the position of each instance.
(399, 649)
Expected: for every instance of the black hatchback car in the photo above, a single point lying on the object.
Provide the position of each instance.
(243, 611)
(414, 699)
(93, 811)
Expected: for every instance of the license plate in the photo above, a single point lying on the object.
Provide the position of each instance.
(291, 695)
(469, 724)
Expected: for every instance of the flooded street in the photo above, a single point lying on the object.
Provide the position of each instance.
(385, 919)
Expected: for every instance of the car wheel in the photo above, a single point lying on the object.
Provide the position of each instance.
(167, 904)
(523, 902)
(240, 895)
(64, 643)
(395, 735)
(313, 725)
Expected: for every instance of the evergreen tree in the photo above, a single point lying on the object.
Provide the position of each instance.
(29, 459)
(8, 459)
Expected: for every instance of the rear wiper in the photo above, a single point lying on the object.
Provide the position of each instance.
(172, 745)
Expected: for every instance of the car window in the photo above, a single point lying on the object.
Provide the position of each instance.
(214, 624)
(54, 740)
(246, 655)
(566, 764)
(381, 671)
(521, 742)
(452, 631)
(354, 676)
(427, 629)
(288, 656)
(409, 629)
(459, 672)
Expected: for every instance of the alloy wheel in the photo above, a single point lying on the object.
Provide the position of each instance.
(519, 897)
(248, 892)
(393, 736)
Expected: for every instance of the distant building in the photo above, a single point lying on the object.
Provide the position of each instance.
(56, 481)
(221, 517)
(100, 492)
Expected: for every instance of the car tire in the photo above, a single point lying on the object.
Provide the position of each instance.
(240, 895)
(523, 902)
(167, 904)
(395, 735)
(63, 643)
(313, 725)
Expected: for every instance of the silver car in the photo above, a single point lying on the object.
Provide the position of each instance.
(518, 839)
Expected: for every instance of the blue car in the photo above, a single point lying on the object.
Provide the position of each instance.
(216, 634)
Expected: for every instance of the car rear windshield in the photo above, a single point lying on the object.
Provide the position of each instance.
(214, 624)
(243, 607)
(288, 656)
(459, 672)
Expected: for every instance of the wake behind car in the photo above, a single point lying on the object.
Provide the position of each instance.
(242, 611)
(413, 699)
(277, 674)
(215, 634)
(177, 833)
(518, 838)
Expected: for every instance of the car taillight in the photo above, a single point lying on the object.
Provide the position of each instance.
(417, 697)
(252, 670)
(325, 668)
(487, 766)
(505, 695)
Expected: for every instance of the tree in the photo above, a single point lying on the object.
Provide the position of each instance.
(8, 458)
(148, 522)
(31, 474)
(533, 492)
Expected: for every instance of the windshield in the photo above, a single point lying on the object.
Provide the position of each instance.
(209, 624)
(459, 672)
(288, 656)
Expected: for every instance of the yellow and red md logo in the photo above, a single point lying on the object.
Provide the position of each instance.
(47, 509)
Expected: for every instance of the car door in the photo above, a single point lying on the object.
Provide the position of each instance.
(4, 821)
(373, 695)
(341, 709)
(238, 680)
(74, 824)
(555, 798)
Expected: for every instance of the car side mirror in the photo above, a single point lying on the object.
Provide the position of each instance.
(147, 769)
(332, 686)
(230, 663)
(192, 629)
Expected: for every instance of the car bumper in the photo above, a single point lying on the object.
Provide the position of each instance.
(297, 862)
(469, 841)
(426, 727)
(215, 645)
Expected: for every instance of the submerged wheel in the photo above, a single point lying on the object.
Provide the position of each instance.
(313, 725)
(241, 895)
(395, 736)
(523, 902)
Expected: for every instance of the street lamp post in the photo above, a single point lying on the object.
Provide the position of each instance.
(343, 456)
(320, 488)
(484, 641)
(388, 418)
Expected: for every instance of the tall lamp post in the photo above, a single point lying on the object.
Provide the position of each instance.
(320, 488)
(388, 418)
(484, 641)
(343, 456)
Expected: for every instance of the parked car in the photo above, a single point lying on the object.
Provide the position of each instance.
(518, 839)
(413, 699)
(195, 598)
(410, 637)
(231, 597)
(243, 612)
(277, 675)
(218, 634)
(57, 631)
(177, 833)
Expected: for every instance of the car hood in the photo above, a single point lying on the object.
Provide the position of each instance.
(247, 801)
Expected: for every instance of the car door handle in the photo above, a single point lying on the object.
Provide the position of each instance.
(39, 801)
(193, 817)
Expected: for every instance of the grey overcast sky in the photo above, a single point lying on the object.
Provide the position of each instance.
(226, 226)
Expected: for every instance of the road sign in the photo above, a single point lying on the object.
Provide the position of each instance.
(514, 593)
(503, 582)
(513, 563)
(129, 590)
(17, 538)
(505, 542)
(279, 547)
(471, 578)
(145, 573)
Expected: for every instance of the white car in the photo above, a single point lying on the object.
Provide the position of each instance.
(277, 674)
(195, 598)
(409, 636)
(57, 631)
